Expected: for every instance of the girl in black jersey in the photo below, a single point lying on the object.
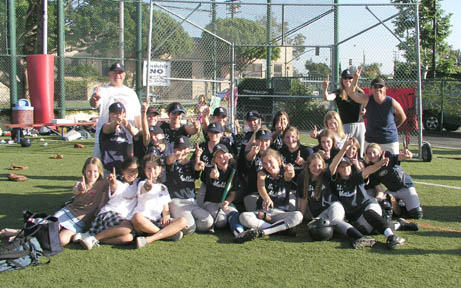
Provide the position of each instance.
(280, 122)
(397, 181)
(362, 210)
(215, 178)
(274, 212)
(316, 200)
(173, 129)
(327, 145)
(293, 152)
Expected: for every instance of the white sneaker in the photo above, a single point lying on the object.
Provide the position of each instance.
(140, 242)
(79, 236)
(176, 237)
(89, 242)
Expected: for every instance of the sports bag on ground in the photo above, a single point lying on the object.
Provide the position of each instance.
(46, 229)
(20, 253)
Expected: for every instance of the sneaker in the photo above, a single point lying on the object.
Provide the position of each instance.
(89, 242)
(176, 237)
(363, 242)
(79, 236)
(247, 235)
(407, 226)
(140, 242)
(394, 241)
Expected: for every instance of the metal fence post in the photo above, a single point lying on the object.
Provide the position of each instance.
(442, 87)
(419, 89)
(269, 41)
(139, 49)
(215, 66)
(336, 47)
(61, 41)
(12, 47)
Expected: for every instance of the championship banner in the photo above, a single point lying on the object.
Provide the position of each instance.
(159, 70)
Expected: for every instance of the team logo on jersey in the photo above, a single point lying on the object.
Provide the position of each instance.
(383, 173)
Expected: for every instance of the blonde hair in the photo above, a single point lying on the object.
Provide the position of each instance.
(371, 146)
(273, 153)
(329, 134)
(355, 143)
(291, 129)
(333, 115)
(94, 161)
(307, 176)
(343, 93)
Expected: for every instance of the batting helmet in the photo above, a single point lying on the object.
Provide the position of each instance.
(320, 229)
(25, 142)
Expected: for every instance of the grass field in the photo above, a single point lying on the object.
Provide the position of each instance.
(431, 257)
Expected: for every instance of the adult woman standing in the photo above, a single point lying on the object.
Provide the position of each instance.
(349, 110)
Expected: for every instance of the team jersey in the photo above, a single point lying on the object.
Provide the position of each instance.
(316, 206)
(278, 190)
(277, 143)
(231, 140)
(114, 148)
(392, 175)
(352, 194)
(215, 187)
(290, 158)
(172, 134)
(180, 180)
(333, 153)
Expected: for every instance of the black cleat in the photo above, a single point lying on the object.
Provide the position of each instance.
(363, 242)
(394, 241)
(289, 232)
(407, 226)
(247, 235)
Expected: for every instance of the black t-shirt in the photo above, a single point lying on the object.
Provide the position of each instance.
(392, 175)
(349, 110)
(231, 140)
(278, 190)
(277, 144)
(114, 148)
(207, 155)
(290, 157)
(333, 153)
(352, 194)
(180, 180)
(317, 206)
(170, 134)
(215, 187)
(253, 167)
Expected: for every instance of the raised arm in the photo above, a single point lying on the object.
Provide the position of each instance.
(145, 125)
(375, 167)
(327, 96)
(360, 98)
(337, 159)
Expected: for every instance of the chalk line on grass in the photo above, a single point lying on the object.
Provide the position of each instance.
(438, 185)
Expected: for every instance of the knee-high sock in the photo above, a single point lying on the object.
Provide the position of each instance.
(375, 220)
(234, 223)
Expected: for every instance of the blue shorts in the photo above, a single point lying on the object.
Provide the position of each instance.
(68, 221)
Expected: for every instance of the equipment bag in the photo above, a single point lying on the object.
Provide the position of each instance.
(20, 253)
(46, 229)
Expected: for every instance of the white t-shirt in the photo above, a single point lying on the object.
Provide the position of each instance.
(110, 94)
(150, 203)
(123, 201)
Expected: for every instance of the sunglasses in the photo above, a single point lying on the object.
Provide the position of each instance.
(377, 86)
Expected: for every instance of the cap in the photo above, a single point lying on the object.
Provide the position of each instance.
(155, 130)
(344, 160)
(263, 135)
(253, 115)
(152, 110)
(116, 107)
(220, 147)
(378, 81)
(346, 74)
(117, 66)
(215, 128)
(220, 111)
(176, 107)
(182, 141)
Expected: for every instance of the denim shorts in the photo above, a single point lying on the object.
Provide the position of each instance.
(68, 221)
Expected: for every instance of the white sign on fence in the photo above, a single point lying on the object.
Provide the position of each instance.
(159, 70)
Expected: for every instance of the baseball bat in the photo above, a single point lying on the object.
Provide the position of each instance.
(224, 195)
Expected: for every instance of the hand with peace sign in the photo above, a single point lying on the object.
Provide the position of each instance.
(149, 178)
(80, 187)
(326, 83)
(289, 171)
(384, 161)
(314, 133)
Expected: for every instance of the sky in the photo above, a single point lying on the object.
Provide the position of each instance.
(454, 7)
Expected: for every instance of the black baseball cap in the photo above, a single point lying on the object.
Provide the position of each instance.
(215, 128)
(156, 130)
(176, 107)
(117, 66)
(220, 111)
(263, 135)
(347, 74)
(152, 110)
(220, 147)
(378, 81)
(116, 107)
(346, 161)
(253, 115)
(182, 141)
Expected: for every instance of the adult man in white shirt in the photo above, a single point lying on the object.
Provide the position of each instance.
(115, 91)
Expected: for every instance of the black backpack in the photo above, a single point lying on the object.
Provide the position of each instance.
(19, 253)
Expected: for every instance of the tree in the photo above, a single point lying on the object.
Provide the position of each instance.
(404, 27)
(317, 70)
(371, 71)
(240, 31)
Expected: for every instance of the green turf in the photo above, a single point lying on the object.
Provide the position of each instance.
(431, 258)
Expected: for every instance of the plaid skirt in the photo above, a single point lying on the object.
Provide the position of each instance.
(105, 221)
